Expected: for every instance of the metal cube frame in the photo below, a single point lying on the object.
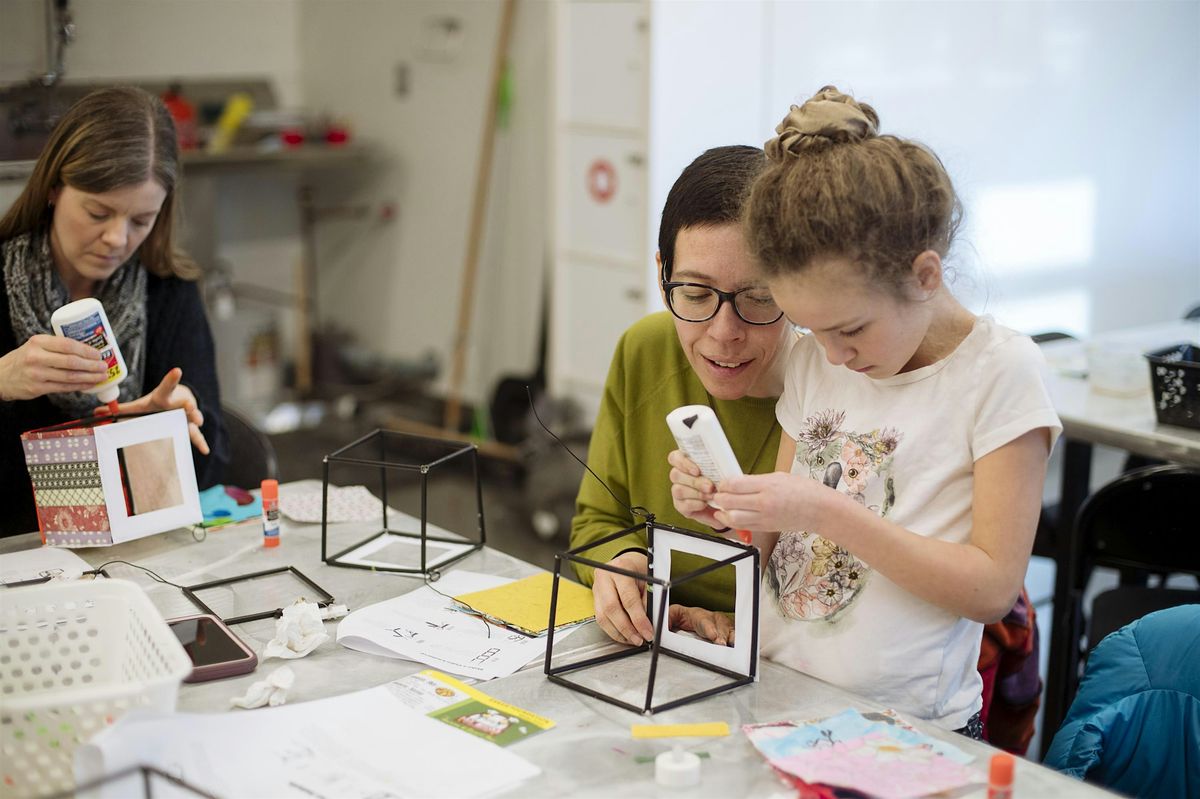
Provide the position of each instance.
(355, 453)
(655, 647)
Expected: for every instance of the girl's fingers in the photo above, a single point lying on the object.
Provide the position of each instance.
(740, 484)
(733, 501)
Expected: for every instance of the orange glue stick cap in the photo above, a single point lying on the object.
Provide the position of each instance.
(270, 489)
(1000, 776)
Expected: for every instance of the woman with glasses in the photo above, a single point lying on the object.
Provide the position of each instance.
(721, 344)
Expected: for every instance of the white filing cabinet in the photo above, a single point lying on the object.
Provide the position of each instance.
(602, 249)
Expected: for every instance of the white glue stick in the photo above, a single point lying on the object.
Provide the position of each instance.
(85, 321)
(699, 434)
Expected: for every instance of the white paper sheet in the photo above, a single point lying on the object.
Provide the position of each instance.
(391, 551)
(422, 625)
(44, 562)
(356, 746)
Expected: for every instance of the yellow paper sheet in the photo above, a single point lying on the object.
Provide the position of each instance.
(525, 604)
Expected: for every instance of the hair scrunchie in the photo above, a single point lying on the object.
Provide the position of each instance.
(828, 118)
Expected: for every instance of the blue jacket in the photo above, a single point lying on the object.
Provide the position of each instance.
(1135, 724)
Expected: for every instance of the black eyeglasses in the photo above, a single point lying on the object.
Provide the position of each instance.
(696, 302)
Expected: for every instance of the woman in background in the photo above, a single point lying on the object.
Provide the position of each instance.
(96, 220)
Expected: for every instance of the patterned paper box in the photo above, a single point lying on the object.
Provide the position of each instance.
(67, 487)
(90, 475)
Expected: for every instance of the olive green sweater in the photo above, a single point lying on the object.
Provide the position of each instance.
(650, 376)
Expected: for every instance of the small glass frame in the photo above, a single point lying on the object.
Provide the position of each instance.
(261, 597)
(738, 664)
(385, 451)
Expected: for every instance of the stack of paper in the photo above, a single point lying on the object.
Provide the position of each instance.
(427, 626)
(524, 605)
(362, 745)
(879, 755)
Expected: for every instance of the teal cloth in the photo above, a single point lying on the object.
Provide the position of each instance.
(1134, 726)
(220, 508)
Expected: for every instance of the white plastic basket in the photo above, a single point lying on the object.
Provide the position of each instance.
(74, 657)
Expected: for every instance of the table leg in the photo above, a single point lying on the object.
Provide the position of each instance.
(1076, 477)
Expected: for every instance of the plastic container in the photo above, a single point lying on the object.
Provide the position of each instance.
(76, 656)
(1175, 380)
(1116, 369)
(84, 320)
(677, 768)
(270, 513)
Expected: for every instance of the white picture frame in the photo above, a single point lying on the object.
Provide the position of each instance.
(742, 657)
(110, 438)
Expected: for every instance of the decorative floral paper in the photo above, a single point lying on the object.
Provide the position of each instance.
(879, 755)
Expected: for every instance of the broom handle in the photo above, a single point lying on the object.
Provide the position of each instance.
(466, 297)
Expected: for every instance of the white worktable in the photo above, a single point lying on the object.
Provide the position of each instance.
(589, 752)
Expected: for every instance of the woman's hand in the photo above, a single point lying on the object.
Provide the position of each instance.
(709, 625)
(775, 501)
(49, 365)
(620, 601)
(167, 396)
(691, 490)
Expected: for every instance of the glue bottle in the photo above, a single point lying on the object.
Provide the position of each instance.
(270, 512)
(84, 320)
(699, 434)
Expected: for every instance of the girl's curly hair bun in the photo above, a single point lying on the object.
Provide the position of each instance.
(826, 119)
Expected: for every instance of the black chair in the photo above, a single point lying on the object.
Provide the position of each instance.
(251, 454)
(1143, 521)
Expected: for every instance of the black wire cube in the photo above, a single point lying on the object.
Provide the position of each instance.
(385, 451)
(658, 591)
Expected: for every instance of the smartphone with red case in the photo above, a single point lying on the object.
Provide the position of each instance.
(215, 651)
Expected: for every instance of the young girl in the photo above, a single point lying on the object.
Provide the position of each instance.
(915, 434)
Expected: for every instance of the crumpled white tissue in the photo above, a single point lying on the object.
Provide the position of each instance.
(297, 632)
(271, 691)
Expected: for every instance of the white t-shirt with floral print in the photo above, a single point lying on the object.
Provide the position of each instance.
(904, 446)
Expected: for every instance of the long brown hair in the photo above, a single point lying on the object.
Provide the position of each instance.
(110, 139)
(835, 188)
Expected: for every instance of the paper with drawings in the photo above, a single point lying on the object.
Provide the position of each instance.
(364, 745)
(423, 625)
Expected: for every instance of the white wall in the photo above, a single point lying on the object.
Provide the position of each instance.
(1072, 130)
(160, 39)
(394, 284)
(398, 287)
(709, 79)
